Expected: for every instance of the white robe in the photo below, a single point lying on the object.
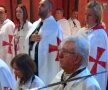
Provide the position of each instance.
(74, 28)
(36, 83)
(51, 37)
(7, 41)
(81, 84)
(6, 77)
(20, 38)
(65, 27)
(98, 57)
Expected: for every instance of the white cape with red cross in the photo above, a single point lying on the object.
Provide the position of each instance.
(98, 57)
(7, 41)
(48, 49)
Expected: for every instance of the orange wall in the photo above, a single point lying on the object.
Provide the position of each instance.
(27, 4)
(81, 11)
(56, 3)
(6, 3)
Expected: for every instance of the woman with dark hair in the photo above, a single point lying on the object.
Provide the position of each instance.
(22, 30)
(24, 68)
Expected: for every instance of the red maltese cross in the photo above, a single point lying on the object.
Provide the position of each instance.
(96, 61)
(9, 44)
(53, 48)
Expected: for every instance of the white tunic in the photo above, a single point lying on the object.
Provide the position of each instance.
(47, 49)
(74, 25)
(20, 38)
(7, 41)
(98, 57)
(36, 83)
(81, 84)
(65, 27)
(6, 77)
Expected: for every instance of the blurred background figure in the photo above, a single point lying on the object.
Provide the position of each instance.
(73, 56)
(24, 68)
(7, 80)
(63, 22)
(6, 36)
(22, 29)
(74, 23)
(97, 37)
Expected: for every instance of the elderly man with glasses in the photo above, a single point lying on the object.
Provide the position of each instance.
(73, 56)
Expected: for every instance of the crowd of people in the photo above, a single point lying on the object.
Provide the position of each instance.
(53, 49)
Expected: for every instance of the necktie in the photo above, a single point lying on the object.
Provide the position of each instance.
(36, 50)
(36, 47)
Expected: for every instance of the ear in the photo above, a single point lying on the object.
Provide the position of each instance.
(78, 59)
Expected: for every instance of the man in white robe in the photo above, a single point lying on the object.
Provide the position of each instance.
(63, 22)
(74, 23)
(7, 80)
(48, 39)
(73, 55)
(6, 37)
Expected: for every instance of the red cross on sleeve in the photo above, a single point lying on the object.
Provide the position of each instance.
(9, 44)
(53, 48)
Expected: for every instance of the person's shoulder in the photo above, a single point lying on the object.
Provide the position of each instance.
(36, 22)
(91, 82)
(39, 81)
(9, 21)
(4, 68)
(2, 63)
(29, 22)
(100, 32)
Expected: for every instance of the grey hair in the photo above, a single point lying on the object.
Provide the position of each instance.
(82, 47)
(97, 7)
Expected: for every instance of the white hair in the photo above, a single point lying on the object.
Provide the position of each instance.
(82, 47)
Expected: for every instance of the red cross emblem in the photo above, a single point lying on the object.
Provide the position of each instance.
(53, 48)
(4, 43)
(96, 61)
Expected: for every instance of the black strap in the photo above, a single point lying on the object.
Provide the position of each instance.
(32, 42)
(74, 23)
(33, 77)
(72, 75)
(36, 47)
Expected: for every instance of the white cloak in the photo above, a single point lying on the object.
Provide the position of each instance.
(6, 77)
(98, 58)
(81, 84)
(48, 48)
(65, 27)
(36, 83)
(74, 28)
(7, 41)
(22, 44)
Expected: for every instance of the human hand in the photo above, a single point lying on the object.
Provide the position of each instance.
(36, 37)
